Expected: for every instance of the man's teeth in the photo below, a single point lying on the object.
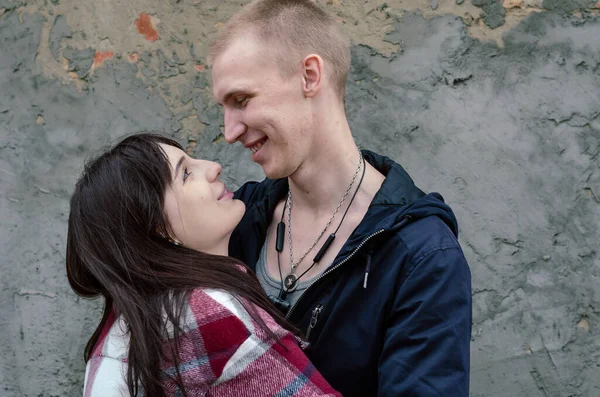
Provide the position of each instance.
(255, 149)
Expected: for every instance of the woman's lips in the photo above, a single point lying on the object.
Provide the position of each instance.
(226, 195)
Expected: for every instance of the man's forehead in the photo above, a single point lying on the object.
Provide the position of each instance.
(240, 51)
(238, 67)
(227, 83)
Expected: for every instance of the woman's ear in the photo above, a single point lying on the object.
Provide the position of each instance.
(175, 241)
(170, 239)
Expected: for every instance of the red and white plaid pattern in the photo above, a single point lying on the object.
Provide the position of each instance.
(223, 352)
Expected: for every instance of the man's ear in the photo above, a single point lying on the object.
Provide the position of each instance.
(312, 75)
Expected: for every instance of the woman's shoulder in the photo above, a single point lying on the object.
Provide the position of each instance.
(113, 341)
(215, 299)
(220, 309)
(242, 357)
(215, 329)
(206, 304)
(225, 321)
(204, 307)
(106, 368)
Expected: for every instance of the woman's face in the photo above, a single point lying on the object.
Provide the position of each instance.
(201, 211)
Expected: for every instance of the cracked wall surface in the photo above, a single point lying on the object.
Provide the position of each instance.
(495, 104)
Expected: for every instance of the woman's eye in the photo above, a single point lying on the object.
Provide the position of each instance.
(186, 174)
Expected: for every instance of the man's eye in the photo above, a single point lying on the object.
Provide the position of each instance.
(242, 101)
(186, 174)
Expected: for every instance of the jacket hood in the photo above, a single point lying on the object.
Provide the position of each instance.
(399, 198)
(397, 203)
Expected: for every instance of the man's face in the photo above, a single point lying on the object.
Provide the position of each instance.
(267, 113)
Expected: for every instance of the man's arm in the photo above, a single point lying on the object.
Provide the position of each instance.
(426, 346)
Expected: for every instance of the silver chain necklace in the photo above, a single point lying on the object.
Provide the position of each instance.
(294, 264)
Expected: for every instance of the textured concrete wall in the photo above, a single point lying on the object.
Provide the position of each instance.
(495, 104)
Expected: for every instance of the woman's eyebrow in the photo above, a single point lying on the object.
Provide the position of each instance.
(178, 166)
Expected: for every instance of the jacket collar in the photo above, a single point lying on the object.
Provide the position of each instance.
(397, 191)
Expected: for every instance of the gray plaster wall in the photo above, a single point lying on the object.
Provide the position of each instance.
(495, 104)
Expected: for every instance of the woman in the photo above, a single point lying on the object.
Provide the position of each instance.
(148, 230)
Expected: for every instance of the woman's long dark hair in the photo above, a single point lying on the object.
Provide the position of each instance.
(115, 249)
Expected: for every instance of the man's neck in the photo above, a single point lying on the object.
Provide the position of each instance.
(320, 182)
(322, 179)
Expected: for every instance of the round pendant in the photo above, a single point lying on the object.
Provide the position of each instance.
(290, 282)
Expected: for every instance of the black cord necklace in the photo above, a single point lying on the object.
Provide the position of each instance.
(289, 284)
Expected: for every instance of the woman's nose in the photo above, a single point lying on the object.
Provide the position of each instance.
(213, 171)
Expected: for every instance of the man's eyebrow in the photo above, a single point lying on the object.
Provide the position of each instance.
(235, 91)
(178, 166)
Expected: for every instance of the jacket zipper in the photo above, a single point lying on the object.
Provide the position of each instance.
(346, 259)
(313, 320)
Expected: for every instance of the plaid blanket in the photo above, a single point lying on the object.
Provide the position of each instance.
(223, 352)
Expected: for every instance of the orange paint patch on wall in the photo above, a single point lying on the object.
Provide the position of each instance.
(199, 67)
(144, 26)
(512, 3)
(101, 57)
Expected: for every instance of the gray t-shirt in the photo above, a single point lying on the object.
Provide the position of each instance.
(272, 286)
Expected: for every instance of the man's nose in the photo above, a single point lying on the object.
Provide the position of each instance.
(234, 127)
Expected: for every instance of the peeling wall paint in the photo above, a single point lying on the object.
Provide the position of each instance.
(495, 104)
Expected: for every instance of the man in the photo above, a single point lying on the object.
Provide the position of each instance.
(385, 304)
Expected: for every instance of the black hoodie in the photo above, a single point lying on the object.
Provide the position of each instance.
(392, 315)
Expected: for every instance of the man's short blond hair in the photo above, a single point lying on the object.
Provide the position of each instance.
(293, 29)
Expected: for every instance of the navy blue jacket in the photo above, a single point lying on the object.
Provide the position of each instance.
(392, 315)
